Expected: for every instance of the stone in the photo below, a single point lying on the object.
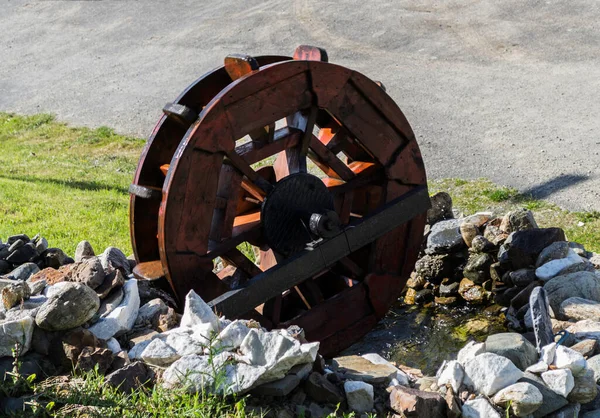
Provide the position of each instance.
(14, 238)
(424, 296)
(585, 389)
(523, 398)
(477, 268)
(433, 268)
(16, 335)
(15, 294)
(583, 284)
(449, 289)
(196, 311)
(4, 265)
(522, 277)
(479, 408)
(523, 247)
(471, 292)
(538, 368)
(591, 414)
(593, 364)
(278, 388)
(566, 358)
(401, 377)
(552, 401)
(560, 266)
(577, 309)
(84, 250)
(446, 301)
(409, 297)
(427, 384)
(113, 258)
(111, 302)
(150, 312)
(159, 353)
(359, 395)
(21, 254)
(416, 403)
(415, 281)
(321, 390)
(72, 306)
(584, 329)
(445, 237)
(441, 208)
(36, 288)
(559, 381)
(481, 244)
(276, 352)
(587, 348)
(50, 275)
(548, 353)
(540, 317)
(468, 232)
(130, 377)
(89, 272)
(184, 341)
(168, 320)
(360, 369)
(111, 281)
(494, 234)
(123, 317)
(487, 373)
(24, 271)
(555, 251)
(514, 347)
(91, 357)
(55, 257)
(470, 351)
(451, 373)
(113, 345)
(569, 411)
(518, 220)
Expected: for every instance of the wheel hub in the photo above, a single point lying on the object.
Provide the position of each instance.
(296, 202)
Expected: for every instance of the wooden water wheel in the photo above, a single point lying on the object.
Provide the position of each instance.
(306, 165)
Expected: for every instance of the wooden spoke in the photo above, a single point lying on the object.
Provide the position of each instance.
(244, 168)
(365, 173)
(242, 262)
(329, 162)
(302, 297)
(225, 210)
(284, 138)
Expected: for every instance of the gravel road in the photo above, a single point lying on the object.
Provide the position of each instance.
(508, 90)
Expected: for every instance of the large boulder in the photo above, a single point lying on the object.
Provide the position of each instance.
(522, 248)
(514, 347)
(445, 237)
(488, 373)
(552, 401)
(71, 305)
(416, 403)
(578, 309)
(581, 284)
(523, 398)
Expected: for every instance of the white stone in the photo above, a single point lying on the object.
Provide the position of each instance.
(55, 289)
(359, 395)
(553, 268)
(586, 329)
(196, 311)
(113, 345)
(182, 341)
(579, 309)
(524, 398)
(469, 351)
(232, 336)
(479, 408)
(537, 368)
(566, 358)
(123, 317)
(192, 372)
(16, 332)
(159, 353)
(136, 351)
(488, 373)
(559, 381)
(401, 377)
(548, 353)
(451, 373)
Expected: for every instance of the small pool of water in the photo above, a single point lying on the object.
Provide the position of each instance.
(425, 337)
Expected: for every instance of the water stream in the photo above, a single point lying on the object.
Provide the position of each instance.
(424, 337)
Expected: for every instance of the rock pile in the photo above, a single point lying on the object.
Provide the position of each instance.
(484, 258)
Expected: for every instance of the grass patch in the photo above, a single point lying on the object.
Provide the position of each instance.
(472, 196)
(66, 183)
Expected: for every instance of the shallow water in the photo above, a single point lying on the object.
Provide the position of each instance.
(425, 337)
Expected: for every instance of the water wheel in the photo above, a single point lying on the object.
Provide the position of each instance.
(288, 190)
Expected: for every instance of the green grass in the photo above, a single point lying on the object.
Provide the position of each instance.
(472, 196)
(66, 183)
